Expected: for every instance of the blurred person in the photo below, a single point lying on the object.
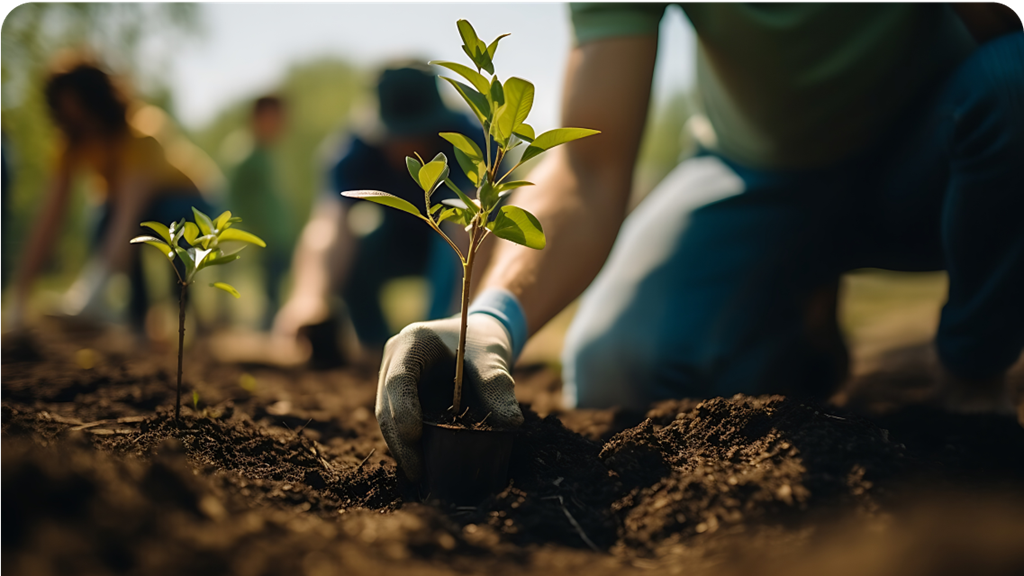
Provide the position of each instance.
(255, 195)
(846, 136)
(137, 181)
(353, 248)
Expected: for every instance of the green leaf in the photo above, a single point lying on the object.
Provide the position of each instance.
(227, 288)
(222, 259)
(477, 102)
(220, 222)
(471, 206)
(234, 220)
(474, 168)
(519, 102)
(517, 225)
(243, 236)
(188, 259)
(176, 230)
(445, 214)
(493, 46)
(488, 196)
(475, 78)
(414, 167)
(496, 125)
(497, 93)
(160, 229)
(475, 47)
(468, 155)
(505, 188)
(385, 199)
(435, 208)
(524, 132)
(205, 240)
(204, 222)
(553, 138)
(191, 233)
(463, 143)
(469, 38)
(456, 215)
(431, 173)
(155, 243)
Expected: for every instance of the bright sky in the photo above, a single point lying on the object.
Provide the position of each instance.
(246, 48)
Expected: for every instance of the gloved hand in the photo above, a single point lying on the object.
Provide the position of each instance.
(419, 362)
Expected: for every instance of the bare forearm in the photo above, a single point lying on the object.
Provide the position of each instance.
(580, 223)
(582, 188)
(44, 233)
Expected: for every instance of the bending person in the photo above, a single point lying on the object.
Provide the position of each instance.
(848, 136)
(136, 179)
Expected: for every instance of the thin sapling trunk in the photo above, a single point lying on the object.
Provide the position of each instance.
(181, 347)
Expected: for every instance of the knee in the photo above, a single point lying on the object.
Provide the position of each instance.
(605, 369)
(994, 78)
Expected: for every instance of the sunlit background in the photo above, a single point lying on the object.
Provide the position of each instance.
(203, 65)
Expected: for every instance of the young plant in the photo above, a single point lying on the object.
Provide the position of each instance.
(502, 109)
(204, 237)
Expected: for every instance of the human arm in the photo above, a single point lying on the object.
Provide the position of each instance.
(44, 232)
(320, 263)
(987, 20)
(582, 188)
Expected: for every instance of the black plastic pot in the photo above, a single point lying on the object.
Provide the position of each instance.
(462, 465)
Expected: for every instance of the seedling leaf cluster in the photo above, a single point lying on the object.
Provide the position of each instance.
(502, 109)
(205, 239)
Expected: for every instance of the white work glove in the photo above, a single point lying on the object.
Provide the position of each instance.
(420, 362)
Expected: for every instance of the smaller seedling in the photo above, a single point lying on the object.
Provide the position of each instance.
(195, 400)
(204, 237)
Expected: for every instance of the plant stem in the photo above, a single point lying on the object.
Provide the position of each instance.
(181, 345)
(467, 275)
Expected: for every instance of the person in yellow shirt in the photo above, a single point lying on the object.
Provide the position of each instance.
(137, 181)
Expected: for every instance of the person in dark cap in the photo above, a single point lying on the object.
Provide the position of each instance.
(353, 249)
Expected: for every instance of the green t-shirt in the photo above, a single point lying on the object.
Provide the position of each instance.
(801, 85)
(254, 197)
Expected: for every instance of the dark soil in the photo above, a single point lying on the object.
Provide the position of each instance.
(285, 472)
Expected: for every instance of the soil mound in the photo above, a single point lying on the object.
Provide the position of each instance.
(744, 461)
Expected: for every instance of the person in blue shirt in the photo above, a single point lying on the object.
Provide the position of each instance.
(352, 249)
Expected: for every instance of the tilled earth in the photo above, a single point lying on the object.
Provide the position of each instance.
(285, 472)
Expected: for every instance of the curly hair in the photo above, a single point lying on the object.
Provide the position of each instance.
(95, 90)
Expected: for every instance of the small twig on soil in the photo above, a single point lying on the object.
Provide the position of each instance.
(827, 415)
(464, 412)
(320, 457)
(303, 427)
(365, 459)
(125, 420)
(575, 524)
(60, 419)
(481, 423)
(109, 432)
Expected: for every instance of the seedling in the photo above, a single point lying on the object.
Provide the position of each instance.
(204, 237)
(502, 109)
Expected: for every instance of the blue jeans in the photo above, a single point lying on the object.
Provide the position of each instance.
(706, 290)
